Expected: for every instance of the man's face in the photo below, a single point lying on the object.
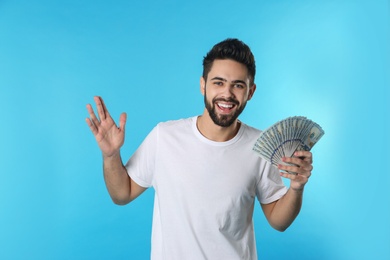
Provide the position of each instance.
(226, 91)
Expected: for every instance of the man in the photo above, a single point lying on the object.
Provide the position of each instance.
(203, 169)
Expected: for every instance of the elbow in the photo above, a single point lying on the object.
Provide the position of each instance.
(280, 228)
(120, 201)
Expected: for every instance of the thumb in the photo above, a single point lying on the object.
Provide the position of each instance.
(122, 121)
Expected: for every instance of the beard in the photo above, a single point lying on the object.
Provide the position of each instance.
(223, 120)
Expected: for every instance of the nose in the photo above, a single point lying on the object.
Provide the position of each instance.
(227, 91)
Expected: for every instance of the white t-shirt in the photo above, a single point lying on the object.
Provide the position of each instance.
(204, 191)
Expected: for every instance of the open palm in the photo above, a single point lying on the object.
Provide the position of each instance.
(109, 137)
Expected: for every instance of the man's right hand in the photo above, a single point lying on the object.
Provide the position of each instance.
(109, 137)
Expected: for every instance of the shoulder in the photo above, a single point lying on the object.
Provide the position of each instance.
(175, 125)
(250, 131)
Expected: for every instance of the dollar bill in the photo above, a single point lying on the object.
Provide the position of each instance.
(285, 137)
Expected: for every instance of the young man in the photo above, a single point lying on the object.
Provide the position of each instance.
(203, 169)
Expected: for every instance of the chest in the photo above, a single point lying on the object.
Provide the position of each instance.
(193, 172)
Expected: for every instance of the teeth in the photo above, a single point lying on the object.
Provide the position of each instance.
(225, 105)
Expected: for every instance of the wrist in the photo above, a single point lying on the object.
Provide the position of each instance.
(297, 190)
(112, 156)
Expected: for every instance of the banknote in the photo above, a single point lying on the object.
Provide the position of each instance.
(285, 137)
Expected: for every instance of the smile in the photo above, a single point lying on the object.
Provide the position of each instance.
(226, 107)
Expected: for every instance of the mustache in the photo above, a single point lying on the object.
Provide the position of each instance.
(230, 100)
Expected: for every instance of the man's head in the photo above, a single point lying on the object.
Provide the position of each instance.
(232, 49)
(228, 81)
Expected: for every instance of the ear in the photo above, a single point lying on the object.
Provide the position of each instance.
(202, 85)
(252, 90)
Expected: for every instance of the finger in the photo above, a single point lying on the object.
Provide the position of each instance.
(122, 121)
(91, 126)
(104, 108)
(297, 166)
(288, 169)
(295, 175)
(100, 108)
(92, 115)
(304, 170)
(293, 160)
(289, 175)
(303, 166)
(304, 155)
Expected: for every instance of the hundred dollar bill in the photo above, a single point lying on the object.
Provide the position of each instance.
(287, 136)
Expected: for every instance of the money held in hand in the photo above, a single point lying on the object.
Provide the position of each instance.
(287, 136)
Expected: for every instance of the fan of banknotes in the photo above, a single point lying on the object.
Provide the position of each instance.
(287, 136)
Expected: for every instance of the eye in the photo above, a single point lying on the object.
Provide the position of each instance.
(218, 83)
(240, 86)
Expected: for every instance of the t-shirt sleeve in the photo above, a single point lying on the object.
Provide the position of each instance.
(141, 165)
(270, 186)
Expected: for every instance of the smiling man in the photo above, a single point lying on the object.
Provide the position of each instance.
(203, 170)
(226, 88)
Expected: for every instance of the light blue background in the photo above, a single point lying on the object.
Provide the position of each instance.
(327, 60)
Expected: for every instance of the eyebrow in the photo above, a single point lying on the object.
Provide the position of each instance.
(225, 80)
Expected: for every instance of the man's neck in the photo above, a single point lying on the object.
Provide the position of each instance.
(214, 132)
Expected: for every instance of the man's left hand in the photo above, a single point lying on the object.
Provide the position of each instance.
(302, 161)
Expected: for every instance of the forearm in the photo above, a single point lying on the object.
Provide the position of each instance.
(116, 179)
(286, 209)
